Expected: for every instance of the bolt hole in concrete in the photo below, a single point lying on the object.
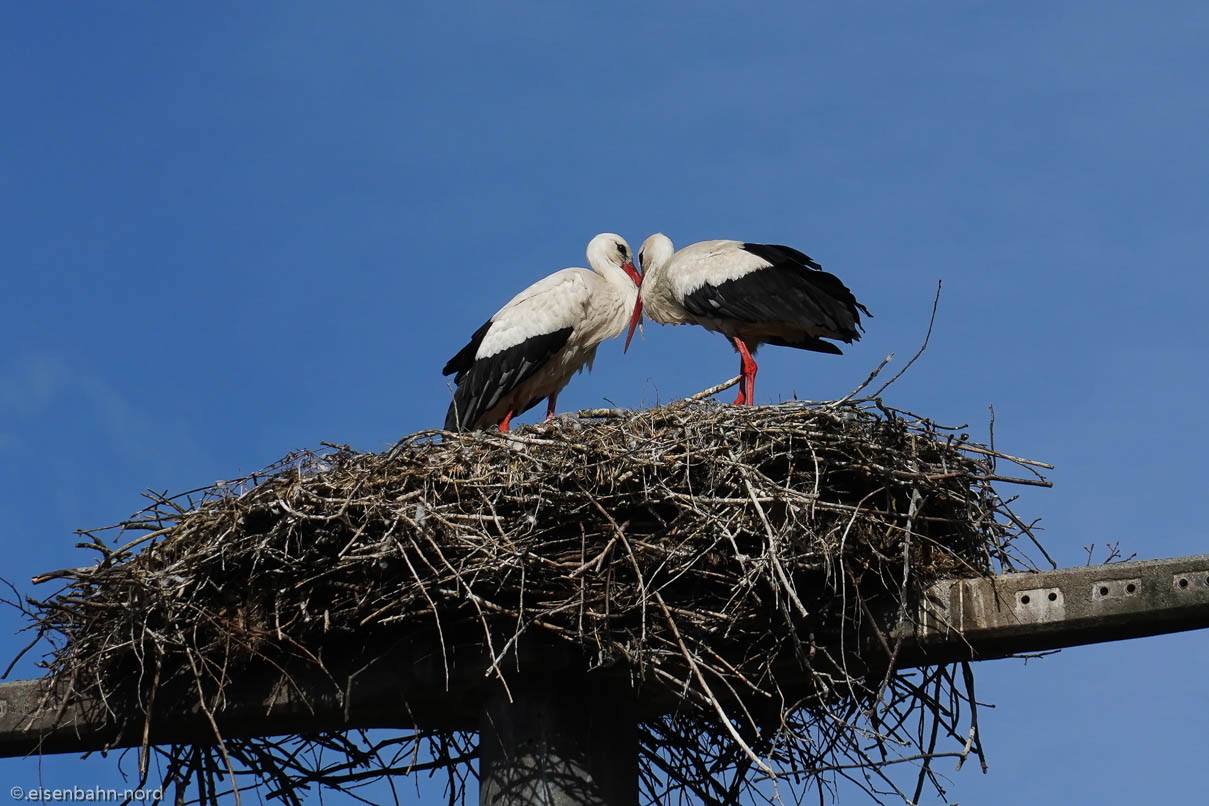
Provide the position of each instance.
(1183, 583)
(1104, 590)
(1024, 599)
(1053, 597)
(1130, 588)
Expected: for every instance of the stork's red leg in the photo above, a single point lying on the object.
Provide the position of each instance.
(507, 419)
(550, 405)
(747, 366)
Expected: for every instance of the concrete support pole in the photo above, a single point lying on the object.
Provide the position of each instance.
(564, 739)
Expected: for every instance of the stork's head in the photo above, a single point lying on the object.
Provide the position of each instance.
(609, 249)
(653, 253)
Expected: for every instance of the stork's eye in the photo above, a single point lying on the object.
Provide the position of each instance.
(622, 250)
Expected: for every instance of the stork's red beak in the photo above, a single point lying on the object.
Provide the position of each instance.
(637, 317)
(634, 320)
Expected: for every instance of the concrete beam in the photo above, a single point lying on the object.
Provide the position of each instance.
(994, 617)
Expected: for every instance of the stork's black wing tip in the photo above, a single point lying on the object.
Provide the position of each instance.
(465, 357)
(807, 343)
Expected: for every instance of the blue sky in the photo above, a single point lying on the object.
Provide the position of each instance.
(230, 231)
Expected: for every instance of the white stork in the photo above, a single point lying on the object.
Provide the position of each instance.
(751, 293)
(533, 345)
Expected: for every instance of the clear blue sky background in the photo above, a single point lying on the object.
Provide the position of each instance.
(231, 231)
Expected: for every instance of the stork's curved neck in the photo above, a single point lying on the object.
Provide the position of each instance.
(610, 271)
(656, 251)
(617, 279)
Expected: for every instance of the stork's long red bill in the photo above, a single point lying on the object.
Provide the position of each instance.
(637, 317)
(634, 320)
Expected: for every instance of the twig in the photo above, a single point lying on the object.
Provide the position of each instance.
(919, 352)
(725, 720)
(704, 393)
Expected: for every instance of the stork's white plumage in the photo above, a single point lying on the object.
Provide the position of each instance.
(533, 345)
(751, 293)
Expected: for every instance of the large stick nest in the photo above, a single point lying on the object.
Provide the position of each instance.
(730, 561)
